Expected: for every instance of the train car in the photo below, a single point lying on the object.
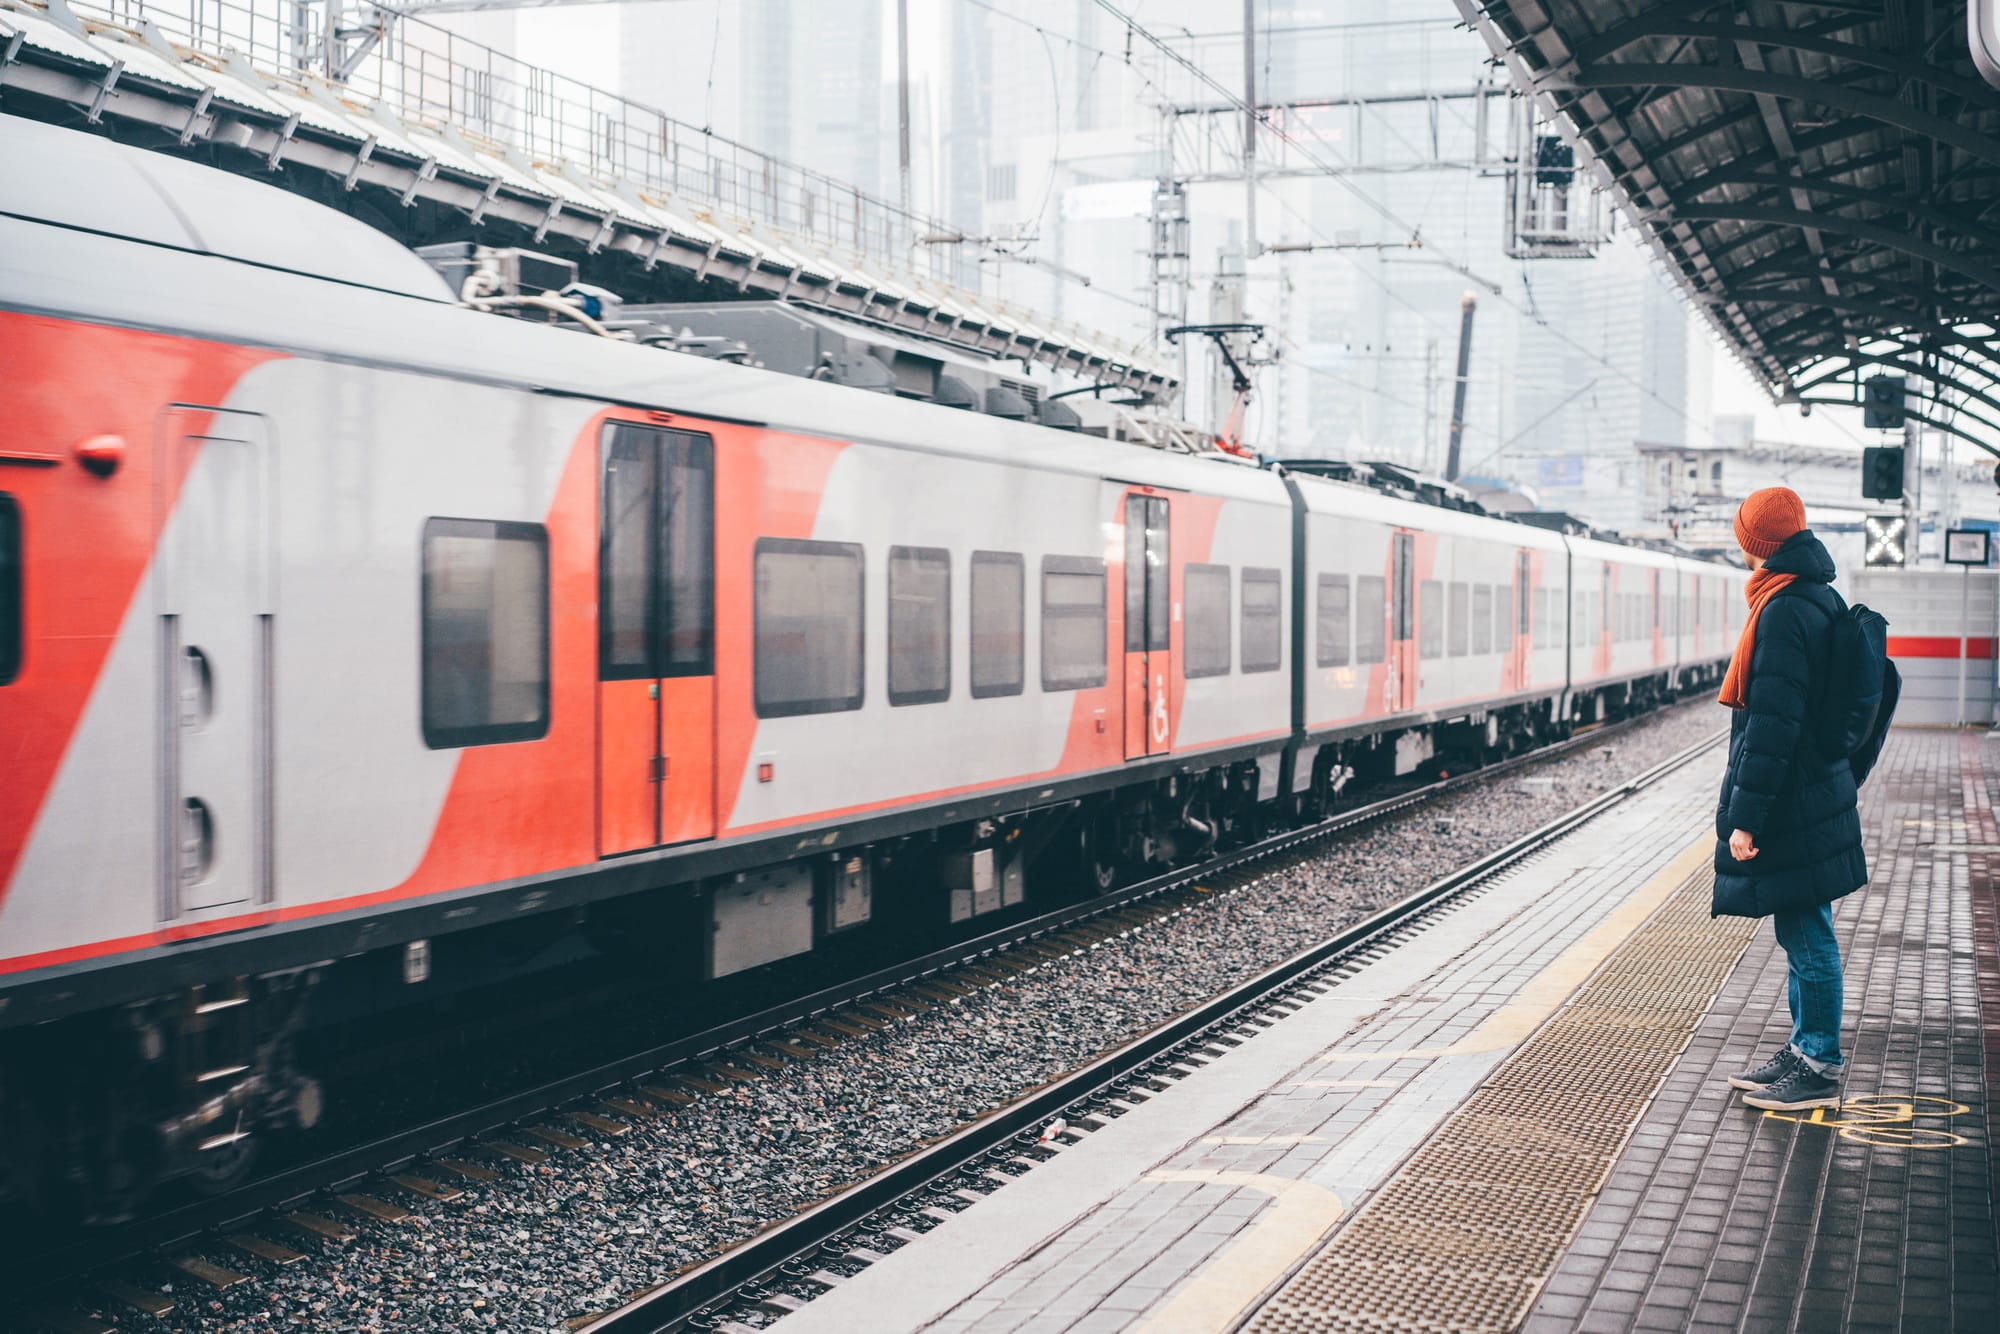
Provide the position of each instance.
(1704, 612)
(1420, 616)
(357, 626)
(1622, 656)
(1711, 611)
(357, 647)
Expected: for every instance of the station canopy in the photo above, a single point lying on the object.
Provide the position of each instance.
(1823, 178)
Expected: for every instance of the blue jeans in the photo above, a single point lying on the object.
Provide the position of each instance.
(1813, 985)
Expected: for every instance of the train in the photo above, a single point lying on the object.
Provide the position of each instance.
(357, 645)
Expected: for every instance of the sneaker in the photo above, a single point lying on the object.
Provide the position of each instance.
(1767, 1074)
(1804, 1087)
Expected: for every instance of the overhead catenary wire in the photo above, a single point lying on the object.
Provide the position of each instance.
(1336, 172)
(1136, 31)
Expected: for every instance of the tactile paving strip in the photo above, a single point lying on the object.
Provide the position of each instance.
(1462, 1236)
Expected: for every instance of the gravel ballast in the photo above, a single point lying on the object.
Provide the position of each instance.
(581, 1231)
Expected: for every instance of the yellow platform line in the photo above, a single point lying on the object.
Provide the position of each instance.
(1261, 1255)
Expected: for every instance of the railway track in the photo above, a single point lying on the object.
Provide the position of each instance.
(390, 1178)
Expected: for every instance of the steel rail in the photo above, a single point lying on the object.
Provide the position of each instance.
(187, 1224)
(669, 1306)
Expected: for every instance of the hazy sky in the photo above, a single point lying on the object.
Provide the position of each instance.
(577, 42)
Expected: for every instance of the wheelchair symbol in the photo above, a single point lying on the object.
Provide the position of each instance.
(1886, 1121)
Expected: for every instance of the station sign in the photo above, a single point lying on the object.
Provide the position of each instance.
(1968, 546)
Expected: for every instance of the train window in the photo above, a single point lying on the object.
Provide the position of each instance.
(1541, 618)
(999, 622)
(919, 625)
(1148, 603)
(1482, 618)
(1263, 621)
(1458, 629)
(1430, 619)
(626, 606)
(1371, 614)
(1205, 607)
(10, 589)
(1331, 624)
(1074, 622)
(807, 614)
(687, 518)
(655, 561)
(485, 632)
(1404, 607)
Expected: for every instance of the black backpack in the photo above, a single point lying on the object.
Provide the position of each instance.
(1861, 689)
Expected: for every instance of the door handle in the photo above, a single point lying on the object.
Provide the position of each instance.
(659, 768)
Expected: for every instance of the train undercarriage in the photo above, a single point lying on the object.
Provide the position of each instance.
(99, 1111)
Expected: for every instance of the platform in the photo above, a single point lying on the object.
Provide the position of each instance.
(1517, 1116)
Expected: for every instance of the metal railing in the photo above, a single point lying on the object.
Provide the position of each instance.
(429, 74)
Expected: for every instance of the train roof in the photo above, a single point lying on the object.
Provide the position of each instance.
(74, 179)
(86, 184)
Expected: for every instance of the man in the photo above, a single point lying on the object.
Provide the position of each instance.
(1788, 833)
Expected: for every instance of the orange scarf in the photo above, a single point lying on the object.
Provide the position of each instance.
(1764, 585)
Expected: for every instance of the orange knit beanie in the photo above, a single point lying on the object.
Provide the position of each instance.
(1767, 518)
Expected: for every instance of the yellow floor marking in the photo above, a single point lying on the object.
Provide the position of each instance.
(1533, 1004)
(1264, 1139)
(1885, 1120)
(1258, 1257)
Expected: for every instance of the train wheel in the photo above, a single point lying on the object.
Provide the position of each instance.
(1100, 856)
(224, 1168)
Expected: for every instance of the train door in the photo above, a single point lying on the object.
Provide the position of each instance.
(1605, 623)
(1524, 623)
(656, 653)
(216, 625)
(1148, 627)
(1655, 632)
(1403, 645)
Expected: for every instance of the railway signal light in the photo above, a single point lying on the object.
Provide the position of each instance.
(1882, 472)
(1882, 536)
(1882, 403)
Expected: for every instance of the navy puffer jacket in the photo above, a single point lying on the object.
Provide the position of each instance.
(1797, 803)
